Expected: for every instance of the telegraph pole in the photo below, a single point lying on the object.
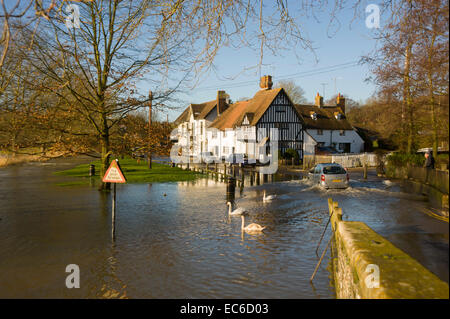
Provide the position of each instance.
(149, 154)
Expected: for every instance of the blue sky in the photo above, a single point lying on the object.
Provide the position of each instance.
(351, 41)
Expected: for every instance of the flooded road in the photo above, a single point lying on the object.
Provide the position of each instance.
(183, 245)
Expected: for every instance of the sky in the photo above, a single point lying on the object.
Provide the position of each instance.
(331, 69)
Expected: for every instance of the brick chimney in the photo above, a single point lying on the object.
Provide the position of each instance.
(221, 102)
(318, 100)
(266, 82)
(340, 101)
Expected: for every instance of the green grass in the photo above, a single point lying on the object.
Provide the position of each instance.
(134, 173)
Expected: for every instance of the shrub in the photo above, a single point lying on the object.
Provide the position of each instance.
(402, 159)
(291, 153)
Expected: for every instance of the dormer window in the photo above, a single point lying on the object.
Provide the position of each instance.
(314, 115)
(338, 116)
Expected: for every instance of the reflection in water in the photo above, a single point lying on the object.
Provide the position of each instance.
(111, 285)
(176, 240)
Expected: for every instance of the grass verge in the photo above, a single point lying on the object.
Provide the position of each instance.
(133, 171)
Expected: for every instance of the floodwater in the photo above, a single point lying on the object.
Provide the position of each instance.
(175, 240)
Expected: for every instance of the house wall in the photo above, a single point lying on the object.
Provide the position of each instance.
(309, 144)
(193, 135)
(282, 116)
(332, 136)
(217, 140)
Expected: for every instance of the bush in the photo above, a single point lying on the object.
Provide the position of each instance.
(402, 159)
(442, 158)
(291, 153)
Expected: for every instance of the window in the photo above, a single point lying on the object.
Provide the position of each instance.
(214, 134)
(225, 150)
(280, 108)
(201, 128)
(342, 132)
(334, 169)
(319, 132)
(345, 147)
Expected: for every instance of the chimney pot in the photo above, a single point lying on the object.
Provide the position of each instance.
(340, 101)
(266, 82)
(318, 100)
(221, 102)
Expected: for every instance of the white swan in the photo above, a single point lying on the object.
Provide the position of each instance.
(252, 228)
(268, 198)
(236, 212)
(387, 182)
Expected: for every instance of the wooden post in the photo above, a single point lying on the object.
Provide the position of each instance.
(114, 212)
(231, 187)
(365, 170)
(91, 170)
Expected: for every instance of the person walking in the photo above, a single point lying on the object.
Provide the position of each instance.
(429, 160)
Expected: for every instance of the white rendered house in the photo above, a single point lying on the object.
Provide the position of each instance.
(247, 127)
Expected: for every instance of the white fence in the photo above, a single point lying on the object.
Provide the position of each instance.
(346, 160)
(355, 160)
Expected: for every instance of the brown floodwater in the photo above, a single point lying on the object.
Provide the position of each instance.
(183, 245)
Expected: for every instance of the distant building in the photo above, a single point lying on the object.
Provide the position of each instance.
(327, 127)
(225, 128)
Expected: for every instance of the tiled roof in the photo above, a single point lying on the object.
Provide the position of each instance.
(184, 117)
(254, 108)
(200, 111)
(325, 120)
(206, 108)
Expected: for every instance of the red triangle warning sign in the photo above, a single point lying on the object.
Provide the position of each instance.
(114, 174)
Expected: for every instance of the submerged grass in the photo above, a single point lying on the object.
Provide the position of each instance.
(133, 171)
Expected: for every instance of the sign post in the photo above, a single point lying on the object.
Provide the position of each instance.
(114, 175)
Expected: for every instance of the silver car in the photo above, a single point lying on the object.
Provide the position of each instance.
(329, 175)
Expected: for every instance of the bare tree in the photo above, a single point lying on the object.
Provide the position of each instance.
(94, 71)
(295, 92)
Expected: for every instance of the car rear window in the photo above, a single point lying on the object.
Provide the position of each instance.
(334, 170)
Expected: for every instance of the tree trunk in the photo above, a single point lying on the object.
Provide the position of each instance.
(407, 99)
(431, 93)
(106, 154)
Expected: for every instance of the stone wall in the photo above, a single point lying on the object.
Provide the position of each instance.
(430, 182)
(368, 266)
